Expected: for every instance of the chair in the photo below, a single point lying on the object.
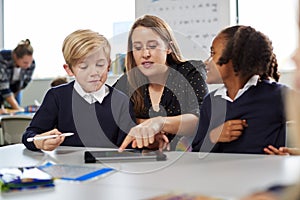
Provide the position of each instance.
(292, 136)
(13, 128)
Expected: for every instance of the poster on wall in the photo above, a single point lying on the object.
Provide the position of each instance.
(194, 22)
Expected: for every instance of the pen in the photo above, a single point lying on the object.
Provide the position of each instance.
(47, 137)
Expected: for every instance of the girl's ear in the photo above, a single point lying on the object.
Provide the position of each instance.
(169, 48)
(68, 70)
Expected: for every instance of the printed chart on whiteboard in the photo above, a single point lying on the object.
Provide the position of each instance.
(194, 22)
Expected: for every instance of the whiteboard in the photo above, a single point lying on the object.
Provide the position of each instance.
(195, 22)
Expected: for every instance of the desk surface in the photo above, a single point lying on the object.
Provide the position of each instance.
(222, 175)
(19, 114)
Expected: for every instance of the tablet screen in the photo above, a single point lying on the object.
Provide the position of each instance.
(114, 155)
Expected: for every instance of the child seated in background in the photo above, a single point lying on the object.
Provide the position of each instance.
(97, 114)
(247, 113)
(58, 81)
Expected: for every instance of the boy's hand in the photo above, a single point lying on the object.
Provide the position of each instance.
(49, 144)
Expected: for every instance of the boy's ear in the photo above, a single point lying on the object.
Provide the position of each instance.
(68, 70)
(109, 64)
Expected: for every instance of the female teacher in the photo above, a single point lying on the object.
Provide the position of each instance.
(165, 89)
(16, 67)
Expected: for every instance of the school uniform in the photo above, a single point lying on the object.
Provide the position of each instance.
(260, 103)
(99, 120)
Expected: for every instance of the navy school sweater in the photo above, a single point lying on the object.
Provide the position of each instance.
(263, 108)
(94, 125)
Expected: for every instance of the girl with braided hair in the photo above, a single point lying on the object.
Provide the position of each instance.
(247, 113)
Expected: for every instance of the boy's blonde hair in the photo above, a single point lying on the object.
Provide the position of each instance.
(81, 43)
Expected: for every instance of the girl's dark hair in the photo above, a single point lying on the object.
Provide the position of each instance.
(24, 48)
(250, 51)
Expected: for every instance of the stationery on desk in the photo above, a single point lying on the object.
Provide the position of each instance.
(16, 113)
(28, 110)
(22, 178)
(43, 176)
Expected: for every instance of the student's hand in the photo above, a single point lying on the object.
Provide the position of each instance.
(3, 111)
(281, 151)
(49, 144)
(13, 103)
(143, 134)
(228, 131)
(13, 111)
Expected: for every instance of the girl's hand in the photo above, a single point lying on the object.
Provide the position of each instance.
(229, 131)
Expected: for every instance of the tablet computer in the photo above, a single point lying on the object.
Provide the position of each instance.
(128, 155)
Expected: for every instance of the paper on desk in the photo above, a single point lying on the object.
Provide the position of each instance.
(75, 172)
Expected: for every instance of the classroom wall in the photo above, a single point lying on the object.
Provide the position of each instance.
(195, 23)
(37, 89)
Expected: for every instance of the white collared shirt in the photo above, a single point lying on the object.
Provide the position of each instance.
(222, 91)
(93, 96)
(16, 75)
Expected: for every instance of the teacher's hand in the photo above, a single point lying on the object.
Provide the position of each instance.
(143, 134)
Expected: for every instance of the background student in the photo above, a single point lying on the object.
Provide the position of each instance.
(58, 81)
(16, 68)
(247, 113)
(165, 89)
(97, 114)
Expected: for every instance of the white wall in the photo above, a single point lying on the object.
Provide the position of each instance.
(1, 25)
(47, 23)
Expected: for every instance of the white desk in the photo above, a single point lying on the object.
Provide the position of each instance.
(222, 175)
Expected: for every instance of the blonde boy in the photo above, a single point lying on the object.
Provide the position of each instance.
(97, 114)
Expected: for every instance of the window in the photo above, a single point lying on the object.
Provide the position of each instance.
(47, 23)
(278, 20)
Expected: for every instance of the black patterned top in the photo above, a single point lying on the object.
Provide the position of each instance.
(183, 93)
